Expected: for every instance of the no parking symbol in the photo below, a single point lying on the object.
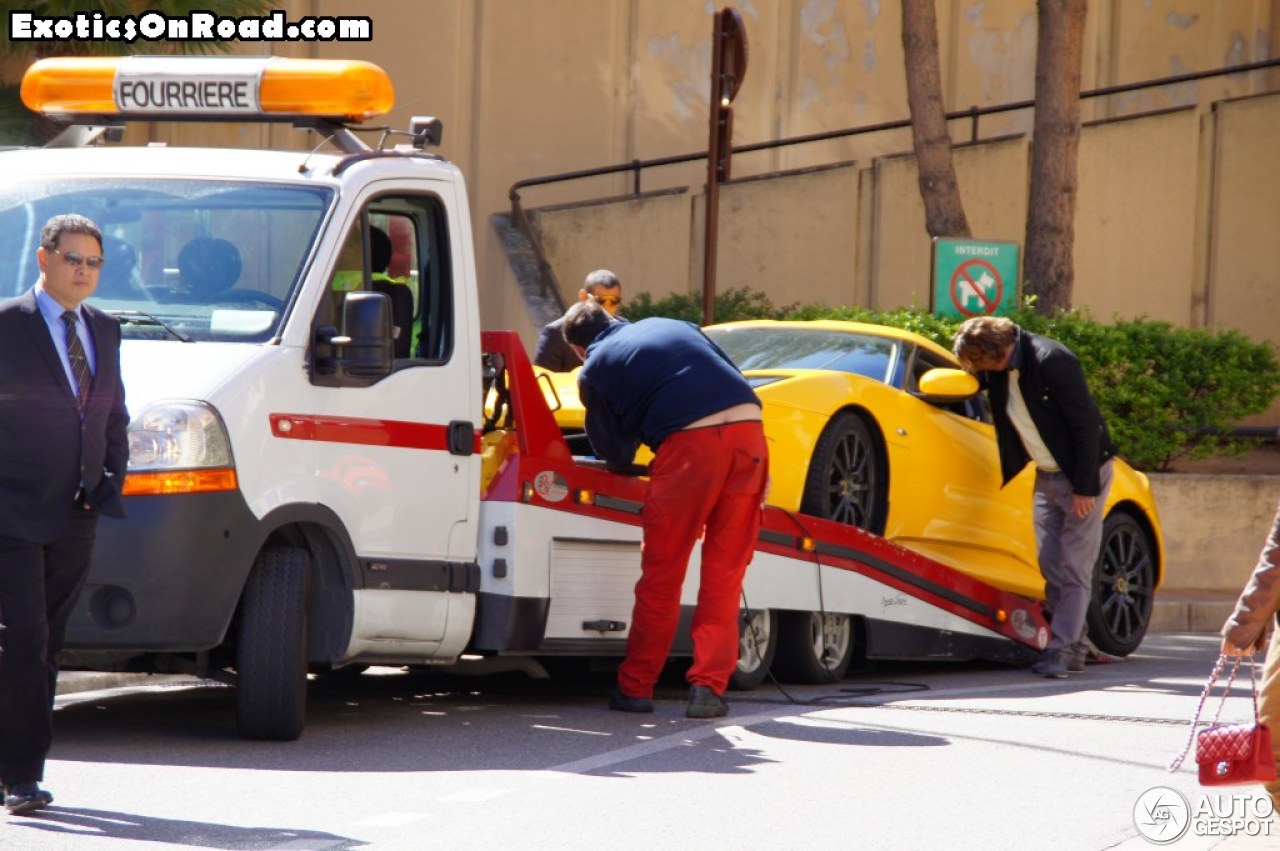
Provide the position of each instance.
(972, 278)
(976, 288)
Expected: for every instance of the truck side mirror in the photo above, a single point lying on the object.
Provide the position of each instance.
(364, 350)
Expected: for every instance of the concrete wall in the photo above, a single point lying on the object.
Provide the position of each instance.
(1243, 287)
(1136, 217)
(1145, 223)
(646, 241)
(1214, 527)
(1176, 220)
(531, 87)
(797, 245)
(992, 178)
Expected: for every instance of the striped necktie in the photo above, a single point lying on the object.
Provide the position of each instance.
(79, 363)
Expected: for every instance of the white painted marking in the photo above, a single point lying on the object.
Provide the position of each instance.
(570, 730)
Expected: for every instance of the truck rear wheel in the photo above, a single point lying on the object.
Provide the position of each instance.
(271, 647)
(757, 642)
(813, 647)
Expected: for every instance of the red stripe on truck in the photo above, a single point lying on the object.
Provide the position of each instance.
(365, 432)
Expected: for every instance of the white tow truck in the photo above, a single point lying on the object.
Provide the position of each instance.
(331, 464)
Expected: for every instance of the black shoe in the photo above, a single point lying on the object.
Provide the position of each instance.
(1078, 654)
(705, 703)
(1052, 664)
(25, 797)
(620, 702)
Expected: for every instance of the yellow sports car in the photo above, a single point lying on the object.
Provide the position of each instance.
(878, 428)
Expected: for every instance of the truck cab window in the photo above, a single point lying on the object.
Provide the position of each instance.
(398, 246)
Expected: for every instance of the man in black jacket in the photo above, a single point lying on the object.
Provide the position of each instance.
(63, 452)
(553, 352)
(1043, 413)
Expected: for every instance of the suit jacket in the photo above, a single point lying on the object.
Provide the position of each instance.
(553, 352)
(46, 449)
(1057, 397)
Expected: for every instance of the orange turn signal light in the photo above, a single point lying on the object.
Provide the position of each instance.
(179, 481)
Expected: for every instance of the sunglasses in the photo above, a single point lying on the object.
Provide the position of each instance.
(608, 300)
(74, 258)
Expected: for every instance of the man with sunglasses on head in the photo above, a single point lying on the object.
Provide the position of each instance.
(553, 352)
(63, 452)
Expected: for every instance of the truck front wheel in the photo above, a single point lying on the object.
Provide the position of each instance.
(271, 647)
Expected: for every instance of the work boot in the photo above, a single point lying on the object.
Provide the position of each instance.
(620, 702)
(705, 703)
(1053, 663)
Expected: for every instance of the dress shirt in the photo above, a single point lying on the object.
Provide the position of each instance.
(52, 313)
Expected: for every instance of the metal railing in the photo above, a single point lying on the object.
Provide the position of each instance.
(636, 166)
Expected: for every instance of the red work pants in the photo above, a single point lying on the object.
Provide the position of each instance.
(708, 478)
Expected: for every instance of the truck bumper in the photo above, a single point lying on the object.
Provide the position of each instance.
(168, 577)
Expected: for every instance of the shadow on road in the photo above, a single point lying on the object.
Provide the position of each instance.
(111, 825)
(426, 721)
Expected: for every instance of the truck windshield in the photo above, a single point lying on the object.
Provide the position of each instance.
(207, 260)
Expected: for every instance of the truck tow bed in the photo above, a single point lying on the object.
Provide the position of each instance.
(903, 604)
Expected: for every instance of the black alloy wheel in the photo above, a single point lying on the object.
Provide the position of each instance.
(1123, 586)
(848, 476)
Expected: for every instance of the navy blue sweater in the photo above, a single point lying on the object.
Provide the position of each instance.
(644, 380)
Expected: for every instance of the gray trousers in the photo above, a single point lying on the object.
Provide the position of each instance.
(1068, 548)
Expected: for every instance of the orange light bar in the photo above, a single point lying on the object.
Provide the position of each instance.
(179, 481)
(219, 87)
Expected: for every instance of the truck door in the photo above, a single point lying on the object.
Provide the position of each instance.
(396, 459)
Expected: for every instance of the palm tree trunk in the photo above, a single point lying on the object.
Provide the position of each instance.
(943, 210)
(1048, 272)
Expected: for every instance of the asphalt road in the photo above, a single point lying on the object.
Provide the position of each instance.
(906, 756)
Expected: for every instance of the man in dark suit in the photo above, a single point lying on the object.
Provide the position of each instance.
(63, 452)
(553, 352)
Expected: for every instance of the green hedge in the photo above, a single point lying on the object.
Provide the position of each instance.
(1166, 392)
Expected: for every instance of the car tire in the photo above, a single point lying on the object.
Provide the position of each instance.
(1123, 586)
(757, 645)
(848, 475)
(271, 647)
(813, 647)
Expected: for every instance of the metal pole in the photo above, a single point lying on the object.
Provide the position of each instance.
(712, 198)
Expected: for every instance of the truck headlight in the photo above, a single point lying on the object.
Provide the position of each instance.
(178, 447)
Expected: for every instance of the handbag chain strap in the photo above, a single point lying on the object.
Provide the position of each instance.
(1208, 688)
